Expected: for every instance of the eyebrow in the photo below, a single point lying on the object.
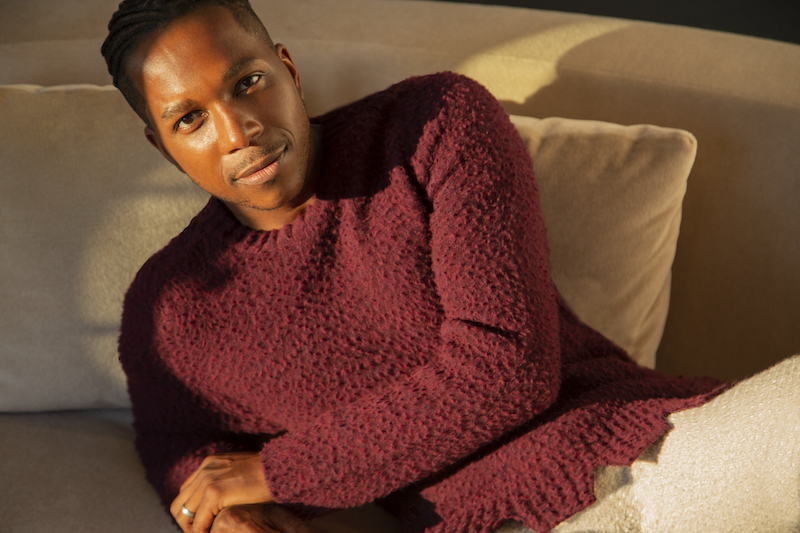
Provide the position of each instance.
(178, 109)
(185, 106)
(237, 67)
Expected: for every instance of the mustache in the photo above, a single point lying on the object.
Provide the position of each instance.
(254, 155)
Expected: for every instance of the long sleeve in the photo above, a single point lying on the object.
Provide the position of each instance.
(496, 362)
(175, 427)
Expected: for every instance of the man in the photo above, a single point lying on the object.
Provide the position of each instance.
(363, 311)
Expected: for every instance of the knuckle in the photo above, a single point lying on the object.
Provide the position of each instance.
(215, 462)
(213, 491)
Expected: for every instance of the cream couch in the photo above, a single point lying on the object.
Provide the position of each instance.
(84, 200)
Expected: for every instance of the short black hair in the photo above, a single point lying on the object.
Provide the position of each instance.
(136, 20)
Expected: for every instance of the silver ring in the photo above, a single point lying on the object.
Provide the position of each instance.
(186, 512)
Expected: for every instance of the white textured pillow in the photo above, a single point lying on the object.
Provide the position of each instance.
(84, 200)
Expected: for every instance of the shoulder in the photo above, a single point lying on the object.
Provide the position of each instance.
(424, 125)
(418, 99)
(450, 95)
(385, 130)
(451, 109)
(462, 122)
(442, 88)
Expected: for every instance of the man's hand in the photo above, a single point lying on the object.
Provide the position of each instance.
(222, 481)
(269, 518)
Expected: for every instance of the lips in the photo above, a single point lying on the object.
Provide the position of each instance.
(262, 171)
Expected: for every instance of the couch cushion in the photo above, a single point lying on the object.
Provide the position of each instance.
(75, 471)
(84, 200)
(88, 478)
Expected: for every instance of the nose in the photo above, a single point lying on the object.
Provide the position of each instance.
(237, 128)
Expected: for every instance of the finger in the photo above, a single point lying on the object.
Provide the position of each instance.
(176, 507)
(207, 510)
(184, 521)
(203, 521)
(190, 502)
(184, 508)
(176, 510)
(191, 497)
(182, 501)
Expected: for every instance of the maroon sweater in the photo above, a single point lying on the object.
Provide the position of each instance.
(401, 341)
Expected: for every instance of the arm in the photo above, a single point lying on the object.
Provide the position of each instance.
(175, 429)
(497, 363)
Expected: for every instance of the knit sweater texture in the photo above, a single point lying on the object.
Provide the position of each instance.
(401, 341)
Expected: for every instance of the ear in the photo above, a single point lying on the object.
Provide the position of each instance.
(283, 55)
(153, 139)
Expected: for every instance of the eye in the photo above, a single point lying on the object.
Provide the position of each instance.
(247, 83)
(189, 121)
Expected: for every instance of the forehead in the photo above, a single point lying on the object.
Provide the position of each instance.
(191, 52)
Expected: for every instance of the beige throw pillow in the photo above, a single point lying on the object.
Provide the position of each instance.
(84, 200)
(612, 197)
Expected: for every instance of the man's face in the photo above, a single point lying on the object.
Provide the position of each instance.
(227, 109)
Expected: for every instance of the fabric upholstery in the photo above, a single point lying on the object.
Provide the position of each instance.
(75, 471)
(78, 471)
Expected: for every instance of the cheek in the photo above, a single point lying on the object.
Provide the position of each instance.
(198, 154)
(283, 108)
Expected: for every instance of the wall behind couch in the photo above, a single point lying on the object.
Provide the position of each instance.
(771, 19)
